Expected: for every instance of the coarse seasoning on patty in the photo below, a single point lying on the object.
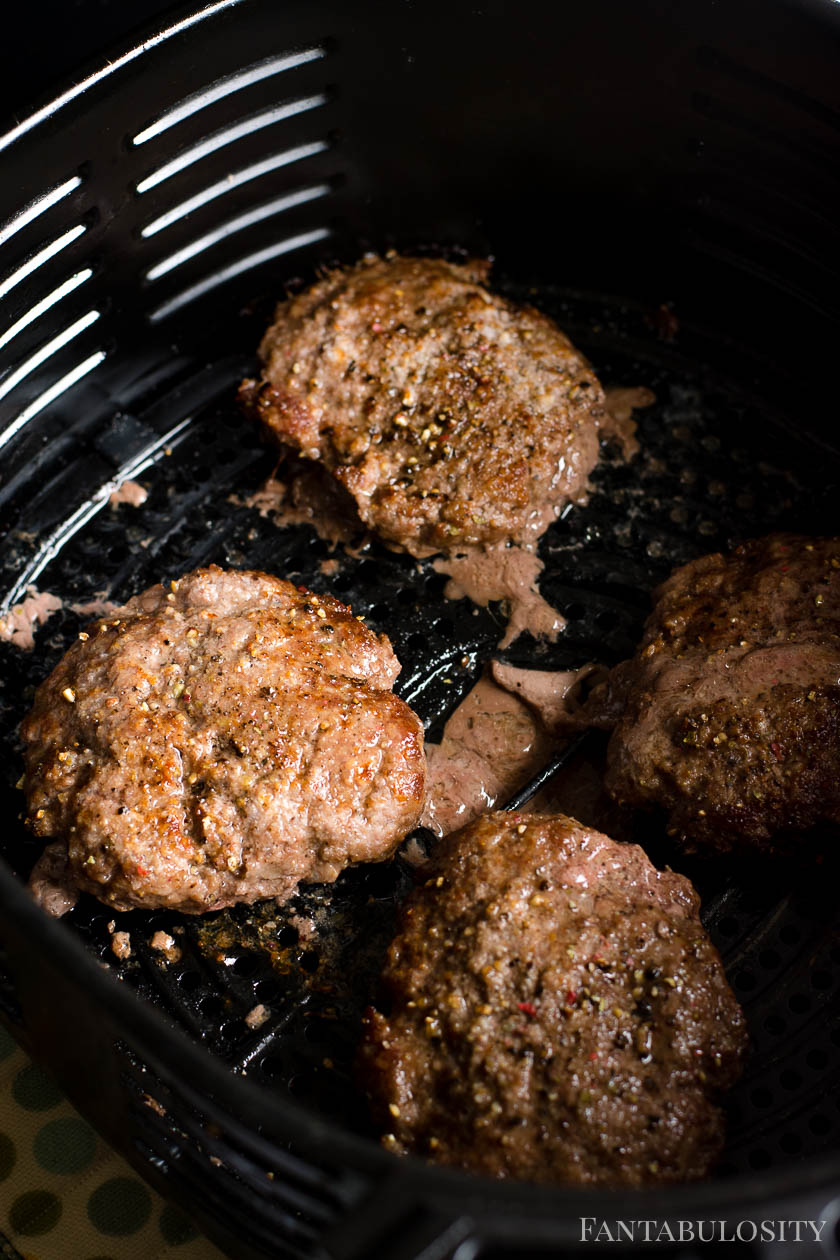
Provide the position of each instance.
(553, 1010)
(218, 740)
(449, 414)
(728, 717)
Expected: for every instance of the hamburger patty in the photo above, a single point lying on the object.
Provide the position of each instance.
(449, 414)
(729, 714)
(555, 1011)
(220, 741)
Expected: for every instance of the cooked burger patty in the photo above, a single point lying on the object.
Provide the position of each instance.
(555, 1011)
(218, 741)
(729, 714)
(450, 415)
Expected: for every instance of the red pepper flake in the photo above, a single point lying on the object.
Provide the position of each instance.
(527, 1008)
(593, 1056)
(776, 750)
(141, 870)
(571, 997)
(187, 697)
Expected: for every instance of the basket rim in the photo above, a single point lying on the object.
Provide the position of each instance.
(146, 37)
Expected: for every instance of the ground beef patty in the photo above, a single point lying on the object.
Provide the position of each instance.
(729, 714)
(556, 1012)
(218, 740)
(449, 414)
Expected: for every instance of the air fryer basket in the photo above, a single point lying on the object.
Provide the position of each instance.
(683, 157)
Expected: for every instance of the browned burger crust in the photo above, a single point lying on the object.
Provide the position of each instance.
(730, 710)
(556, 1012)
(220, 741)
(449, 414)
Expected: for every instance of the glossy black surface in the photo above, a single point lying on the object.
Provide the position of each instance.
(682, 157)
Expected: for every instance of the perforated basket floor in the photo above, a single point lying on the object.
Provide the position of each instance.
(714, 466)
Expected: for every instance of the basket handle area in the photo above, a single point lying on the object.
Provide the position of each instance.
(404, 1220)
(397, 1221)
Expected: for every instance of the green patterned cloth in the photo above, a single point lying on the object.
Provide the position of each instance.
(64, 1194)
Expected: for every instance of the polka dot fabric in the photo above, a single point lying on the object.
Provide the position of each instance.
(64, 1193)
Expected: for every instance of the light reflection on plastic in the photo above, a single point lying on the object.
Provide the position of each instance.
(53, 107)
(234, 180)
(38, 207)
(45, 304)
(277, 206)
(224, 87)
(38, 260)
(46, 351)
(235, 269)
(49, 395)
(228, 136)
(144, 459)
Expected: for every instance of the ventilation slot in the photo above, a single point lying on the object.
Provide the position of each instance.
(236, 269)
(228, 136)
(234, 180)
(46, 352)
(49, 395)
(225, 87)
(78, 89)
(44, 305)
(37, 208)
(265, 211)
(43, 256)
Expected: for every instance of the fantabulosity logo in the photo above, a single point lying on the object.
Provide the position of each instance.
(598, 1230)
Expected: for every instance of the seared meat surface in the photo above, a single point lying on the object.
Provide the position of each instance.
(729, 714)
(450, 415)
(554, 1011)
(220, 740)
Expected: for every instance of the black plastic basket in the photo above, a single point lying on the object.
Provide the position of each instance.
(682, 156)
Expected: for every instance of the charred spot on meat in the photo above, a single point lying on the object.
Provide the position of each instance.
(450, 415)
(728, 717)
(555, 1012)
(219, 740)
